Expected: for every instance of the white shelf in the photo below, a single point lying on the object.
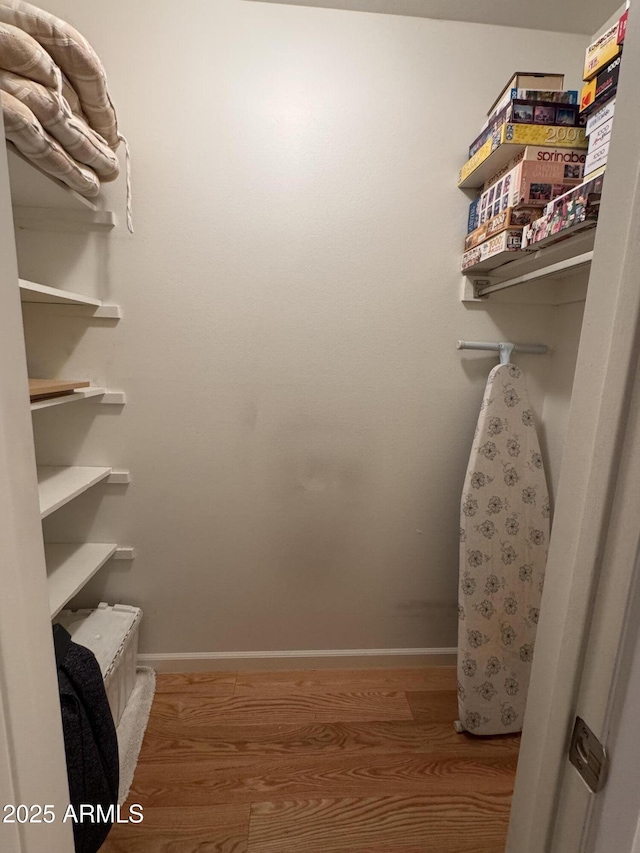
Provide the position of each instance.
(555, 262)
(57, 486)
(499, 158)
(70, 567)
(44, 203)
(32, 292)
(78, 394)
(30, 185)
(29, 218)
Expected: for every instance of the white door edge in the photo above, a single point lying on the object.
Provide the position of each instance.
(595, 432)
(30, 720)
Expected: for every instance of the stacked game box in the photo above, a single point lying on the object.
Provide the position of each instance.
(599, 127)
(529, 109)
(578, 208)
(574, 211)
(534, 111)
(602, 66)
(598, 99)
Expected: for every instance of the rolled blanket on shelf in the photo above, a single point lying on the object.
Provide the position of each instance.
(24, 130)
(22, 54)
(77, 134)
(71, 131)
(70, 96)
(75, 57)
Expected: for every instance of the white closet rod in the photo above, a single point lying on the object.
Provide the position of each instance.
(505, 348)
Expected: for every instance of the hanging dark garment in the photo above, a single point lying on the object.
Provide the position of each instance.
(90, 743)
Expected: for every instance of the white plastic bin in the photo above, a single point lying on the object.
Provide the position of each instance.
(111, 632)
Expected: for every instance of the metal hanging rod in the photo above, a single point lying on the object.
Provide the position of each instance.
(505, 348)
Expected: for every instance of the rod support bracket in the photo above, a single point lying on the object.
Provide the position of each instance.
(478, 285)
(506, 351)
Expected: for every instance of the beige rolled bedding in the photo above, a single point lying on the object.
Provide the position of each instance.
(71, 131)
(22, 54)
(75, 57)
(24, 130)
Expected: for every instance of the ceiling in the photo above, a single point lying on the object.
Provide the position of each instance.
(565, 16)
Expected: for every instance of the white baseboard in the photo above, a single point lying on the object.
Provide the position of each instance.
(314, 659)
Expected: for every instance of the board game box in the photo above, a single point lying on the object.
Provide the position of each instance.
(534, 178)
(600, 136)
(601, 52)
(568, 96)
(509, 218)
(525, 134)
(599, 90)
(593, 185)
(494, 252)
(597, 158)
(600, 116)
(477, 160)
(622, 27)
(607, 80)
(552, 228)
(565, 216)
(528, 80)
(474, 215)
(533, 134)
(493, 125)
(520, 111)
(544, 112)
(542, 154)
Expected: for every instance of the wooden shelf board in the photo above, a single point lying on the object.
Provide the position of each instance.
(57, 486)
(79, 394)
(70, 567)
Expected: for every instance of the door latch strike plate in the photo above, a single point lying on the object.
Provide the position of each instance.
(588, 756)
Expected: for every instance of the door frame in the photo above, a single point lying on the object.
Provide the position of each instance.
(613, 817)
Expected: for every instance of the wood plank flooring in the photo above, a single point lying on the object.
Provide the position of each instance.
(362, 761)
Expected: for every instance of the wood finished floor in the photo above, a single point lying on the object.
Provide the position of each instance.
(362, 761)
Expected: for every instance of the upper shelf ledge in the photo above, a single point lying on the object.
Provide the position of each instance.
(42, 202)
(59, 485)
(33, 292)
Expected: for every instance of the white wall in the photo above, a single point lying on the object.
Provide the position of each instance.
(565, 336)
(299, 420)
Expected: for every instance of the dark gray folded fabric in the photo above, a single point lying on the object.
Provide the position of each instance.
(91, 744)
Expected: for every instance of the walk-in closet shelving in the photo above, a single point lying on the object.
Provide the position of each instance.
(43, 203)
(58, 485)
(32, 292)
(70, 566)
(551, 264)
(78, 394)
